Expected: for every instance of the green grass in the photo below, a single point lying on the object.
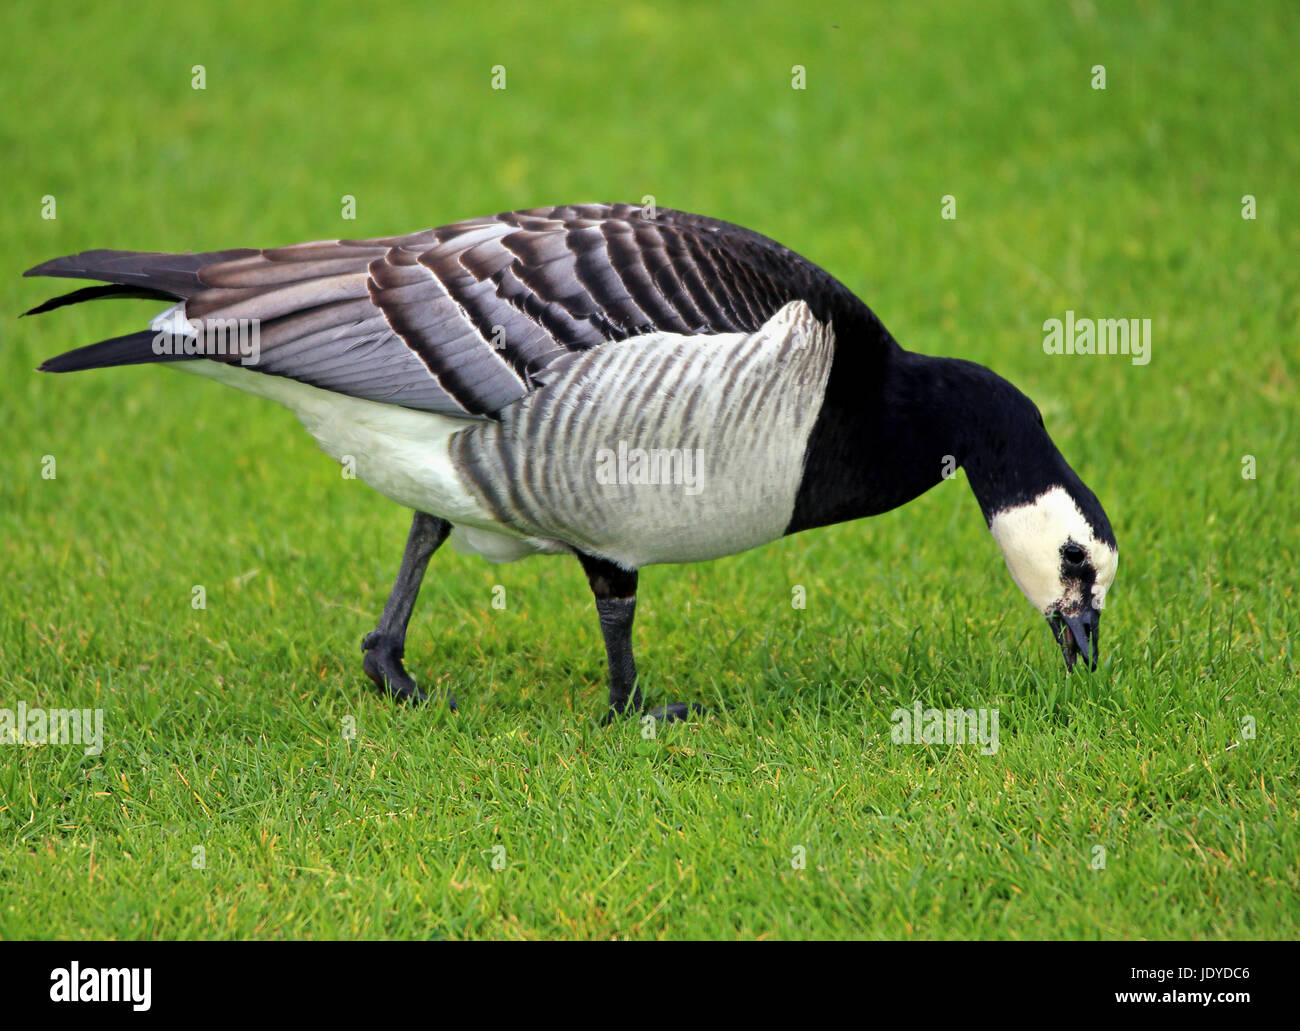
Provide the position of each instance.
(225, 726)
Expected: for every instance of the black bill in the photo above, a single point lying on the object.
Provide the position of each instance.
(1077, 635)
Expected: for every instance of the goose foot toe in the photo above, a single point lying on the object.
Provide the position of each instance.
(383, 665)
(384, 668)
(676, 711)
(664, 714)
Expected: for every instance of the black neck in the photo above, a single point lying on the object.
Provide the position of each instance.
(893, 423)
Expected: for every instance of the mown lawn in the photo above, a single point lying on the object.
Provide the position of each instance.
(232, 798)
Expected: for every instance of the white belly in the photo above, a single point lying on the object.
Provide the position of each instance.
(400, 452)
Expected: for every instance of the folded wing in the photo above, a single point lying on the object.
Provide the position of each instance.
(467, 318)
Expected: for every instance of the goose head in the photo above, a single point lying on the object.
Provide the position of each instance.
(1061, 553)
(1053, 533)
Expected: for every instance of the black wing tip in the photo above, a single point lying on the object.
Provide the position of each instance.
(74, 265)
(92, 293)
(42, 268)
(41, 308)
(131, 349)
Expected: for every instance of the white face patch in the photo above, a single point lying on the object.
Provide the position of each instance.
(1031, 537)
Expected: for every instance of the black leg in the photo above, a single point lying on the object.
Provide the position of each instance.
(615, 591)
(386, 644)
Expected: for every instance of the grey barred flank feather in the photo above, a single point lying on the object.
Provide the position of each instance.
(745, 402)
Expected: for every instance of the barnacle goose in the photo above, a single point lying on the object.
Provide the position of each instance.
(623, 384)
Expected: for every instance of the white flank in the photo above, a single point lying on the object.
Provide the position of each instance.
(400, 452)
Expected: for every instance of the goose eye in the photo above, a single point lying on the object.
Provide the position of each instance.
(1074, 554)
